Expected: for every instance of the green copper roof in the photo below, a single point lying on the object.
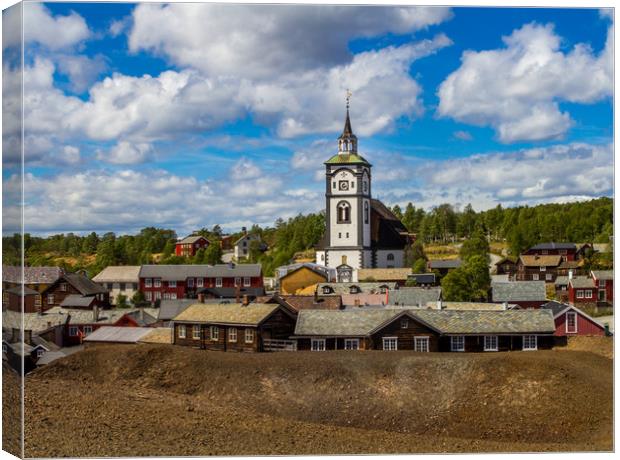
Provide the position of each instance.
(346, 159)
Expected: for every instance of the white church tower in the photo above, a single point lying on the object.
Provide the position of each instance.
(347, 242)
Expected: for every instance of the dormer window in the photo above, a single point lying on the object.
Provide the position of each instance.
(327, 290)
(354, 290)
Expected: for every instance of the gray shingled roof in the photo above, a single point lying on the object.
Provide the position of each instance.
(32, 275)
(413, 296)
(582, 282)
(444, 263)
(83, 284)
(357, 323)
(364, 287)
(524, 291)
(118, 274)
(33, 321)
(603, 274)
(26, 290)
(190, 239)
(168, 309)
(561, 280)
(554, 246)
(182, 272)
(76, 300)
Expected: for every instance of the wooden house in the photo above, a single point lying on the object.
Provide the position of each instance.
(526, 294)
(443, 266)
(567, 250)
(570, 321)
(190, 245)
(582, 292)
(604, 282)
(117, 280)
(233, 327)
(506, 266)
(426, 330)
(538, 268)
(301, 277)
(561, 288)
(12, 299)
(76, 285)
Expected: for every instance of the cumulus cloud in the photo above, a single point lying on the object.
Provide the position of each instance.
(517, 89)
(53, 32)
(127, 153)
(82, 70)
(69, 155)
(224, 40)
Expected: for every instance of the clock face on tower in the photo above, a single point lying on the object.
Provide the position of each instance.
(343, 185)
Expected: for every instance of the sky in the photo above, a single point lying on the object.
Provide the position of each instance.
(184, 116)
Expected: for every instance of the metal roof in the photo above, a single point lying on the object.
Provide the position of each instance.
(346, 159)
(22, 289)
(524, 291)
(118, 274)
(182, 272)
(191, 239)
(76, 300)
(168, 309)
(444, 263)
(251, 314)
(113, 334)
(552, 245)
(603, 274)
(345, 288)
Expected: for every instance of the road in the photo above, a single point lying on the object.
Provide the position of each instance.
(606, 319)
(494, 259)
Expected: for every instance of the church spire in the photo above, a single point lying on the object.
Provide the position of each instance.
(347, 142)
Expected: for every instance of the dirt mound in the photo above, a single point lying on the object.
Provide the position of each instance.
(603, 346)
(11, 410)
(179, 401)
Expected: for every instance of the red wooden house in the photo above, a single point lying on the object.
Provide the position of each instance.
(570, 321)
(567, 250)
(171, 282)
(604, 282)
(582, 292)
(189, 246)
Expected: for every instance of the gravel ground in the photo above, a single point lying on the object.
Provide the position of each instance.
(166, 400)
(606, 319)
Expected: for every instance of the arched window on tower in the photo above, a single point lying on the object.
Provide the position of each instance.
(365, 212)
(390, 256)
(344, 212)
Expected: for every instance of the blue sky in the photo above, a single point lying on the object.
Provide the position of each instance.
(184, 116)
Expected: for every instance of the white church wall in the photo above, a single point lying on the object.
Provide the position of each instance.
(335, 258)
(397, 262)
(343, 234)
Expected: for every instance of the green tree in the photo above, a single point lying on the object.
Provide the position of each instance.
(477, 245)
(213, 254)
(121, 301)
(455, 286)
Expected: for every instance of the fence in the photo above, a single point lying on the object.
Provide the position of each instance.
(279, 345)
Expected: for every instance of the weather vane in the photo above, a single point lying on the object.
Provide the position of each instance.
(349, 94)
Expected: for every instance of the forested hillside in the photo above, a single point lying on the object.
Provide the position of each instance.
(521, 227)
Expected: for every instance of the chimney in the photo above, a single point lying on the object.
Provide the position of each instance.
(246, 301)
(95, 313)
(244, 230)
(237, 294)
(570, 274)
(505, 305)
(201, 298)
(439, 304)
(141, 313)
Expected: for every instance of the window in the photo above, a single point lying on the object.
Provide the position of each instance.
(390, 256)
(40, 352)
(390, 343)
(122, 286)
(232, 334)
(563, 252)
(588, 293)
(327, 290)
(37, 300)
(351, 344)
(157, 282)
(490, 343)
(544, 252)
(318, 344)
(237, 281)
(63, 286)
(50, 299)
(157, 295)
(214, 333)
(134, 286)
(218, 282)
(535, 277)
(196, 332)
(548, 276)
(200, 282)
(571, 322)
(354, 290)
(148, 282)
(343, 259)
(404, 323)
(457, 343)
(73, 331)
(602, 283)
(347, 235)
(246, 281)
(88, 330)
(563, 288)
(148, 296)
(172, 284)
(182, 331)
(365, 208)
(344, 212)
(190, 282)
(530, 342)
(579, 293)
(421, 344)
(249, 335)
(543, 269)
(173, 295)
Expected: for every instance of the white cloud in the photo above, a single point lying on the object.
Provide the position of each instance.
(463, 135)
(266, 41)
(82, 70)
(516, 89)
(127, 153)
(69, 154)
(244, 168)
(53, 32)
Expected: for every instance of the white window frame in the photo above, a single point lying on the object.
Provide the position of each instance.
(563, 252)
(88, 330)
(543, 268)
(572, 314)
(172, 283)
(156, 282)
(527, 338)
(37, 300)
(148, 282)
(182, 331)
(63, 287)
(148, 295)
(535, 277)
(232, 335)
(73, 331)
(173, 295)
(548, 277)
(388, 341)
(157, 295)
(424, 339)
(218, 282)
(579, 293)
(237, 281)
(317, 345)
(404, 323)
(489, 346)
(40, 352)
(247, 281)
(602, 284)
(214, 333)
(196, 332)
(200, 282)
(544, 252)
(50, 299)
(457, 343)
(249, 335)
(351, 344)
(587, 293)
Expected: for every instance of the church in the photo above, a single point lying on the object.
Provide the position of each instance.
(361, 232)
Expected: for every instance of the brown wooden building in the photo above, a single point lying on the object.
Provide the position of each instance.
(76, 285)
(424, 330)
(233, 327)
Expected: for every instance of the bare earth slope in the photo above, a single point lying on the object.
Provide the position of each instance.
(163, 400)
